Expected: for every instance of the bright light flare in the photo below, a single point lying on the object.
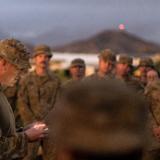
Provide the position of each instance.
(122, 27)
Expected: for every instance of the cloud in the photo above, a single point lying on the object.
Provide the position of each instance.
(79, 16)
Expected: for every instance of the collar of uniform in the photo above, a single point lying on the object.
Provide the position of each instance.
(42, 79)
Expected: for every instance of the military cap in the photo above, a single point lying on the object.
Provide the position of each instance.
(107, 55)
(14, 51)
(42, 49)
(125, 59)
(99, 116)
(146, 62)
(77, 62)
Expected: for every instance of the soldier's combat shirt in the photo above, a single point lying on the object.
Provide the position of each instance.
(12, 145)
(37, 96)
(97, 76)
(11, 92)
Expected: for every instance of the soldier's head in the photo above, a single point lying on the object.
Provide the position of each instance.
(145, 64)
(99, 120)
(42, 55)
(123, 65)
(106, 61)
(77, 68)
(152, 75)
(14, 59)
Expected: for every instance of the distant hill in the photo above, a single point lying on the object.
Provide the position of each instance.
(118, 41)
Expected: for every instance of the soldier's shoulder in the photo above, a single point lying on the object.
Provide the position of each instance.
(153, 86)
(25, 79)
(95, 76)
(92, 76)
(53, 76)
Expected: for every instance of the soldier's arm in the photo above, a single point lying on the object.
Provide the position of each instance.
(7, 121)
(14, 147)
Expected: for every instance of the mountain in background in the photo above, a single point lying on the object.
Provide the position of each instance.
(118, 41)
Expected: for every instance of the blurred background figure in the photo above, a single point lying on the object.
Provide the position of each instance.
(123, 72)
(83, 124)
(146, 64)
(105, 65)
(123, 67)
(77, 69)
(152, 76)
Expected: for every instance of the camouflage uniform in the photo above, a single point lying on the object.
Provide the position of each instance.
(37, 96)
(84, 119)
(12, 94)
(152, 92)
(12, 144)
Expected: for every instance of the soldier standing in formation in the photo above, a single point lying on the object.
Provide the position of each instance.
(14, 59)
(123, 72)
(145, 65)
(152, 76)
(105, 66)
(38, 92)
(77, 71)
(123, 68)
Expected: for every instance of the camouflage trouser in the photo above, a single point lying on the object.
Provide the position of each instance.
(152, 155)
(32, 151)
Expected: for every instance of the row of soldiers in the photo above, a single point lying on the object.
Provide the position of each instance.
(37, 95)
(121, 68)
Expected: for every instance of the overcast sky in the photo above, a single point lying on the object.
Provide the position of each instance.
(79, 18)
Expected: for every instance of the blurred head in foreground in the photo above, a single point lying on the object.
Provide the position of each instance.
(99, 120)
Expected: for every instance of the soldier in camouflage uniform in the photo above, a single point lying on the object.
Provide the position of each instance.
(38, 91)
(99, 120)
(77, 70)
(123, 72)
(106, 64)
(151, 76)
(13, 60)
(123, 67)
(152, 91)
(146, 64)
